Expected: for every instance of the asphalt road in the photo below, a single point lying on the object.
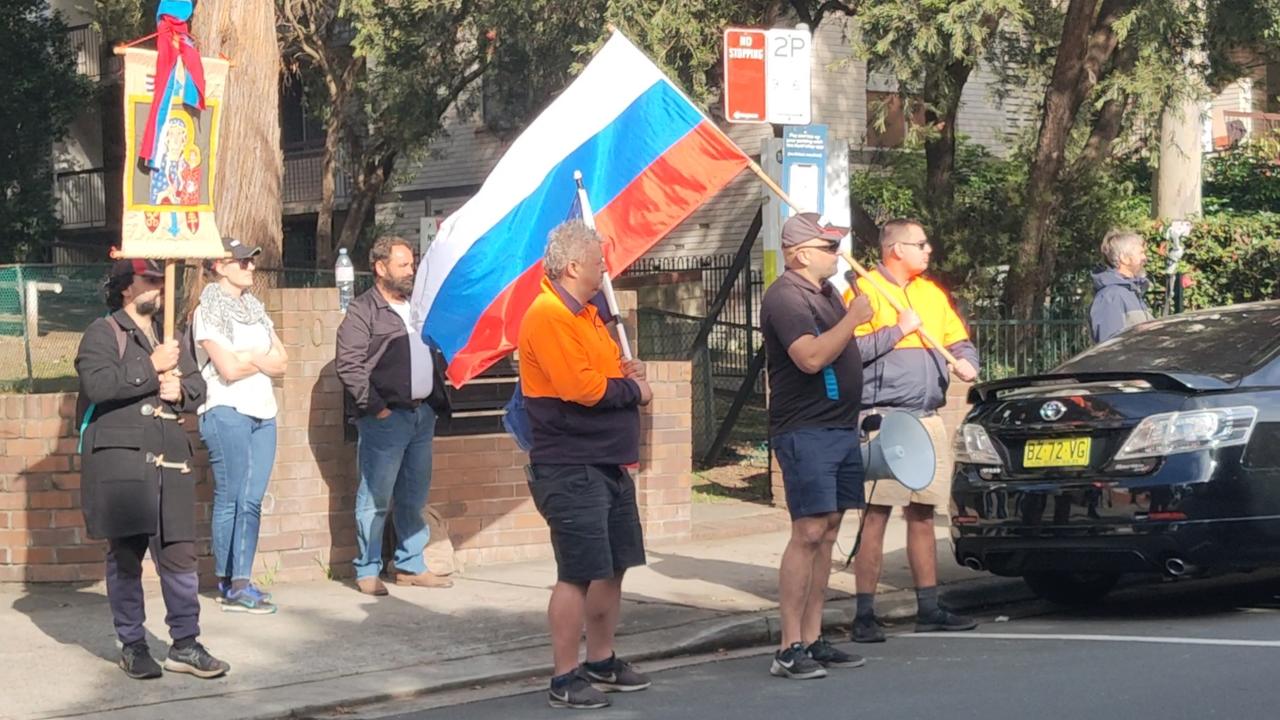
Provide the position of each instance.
(1199, 649)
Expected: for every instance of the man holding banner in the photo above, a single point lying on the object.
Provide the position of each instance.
(815, 383)
(583, 405)
(906, 372)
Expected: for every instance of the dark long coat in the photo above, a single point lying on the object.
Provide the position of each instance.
(120, 492)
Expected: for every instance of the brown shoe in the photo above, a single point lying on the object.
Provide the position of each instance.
(426, 579)
(372, 586)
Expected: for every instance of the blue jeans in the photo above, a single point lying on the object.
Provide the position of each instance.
(395, 470)
(242, 450)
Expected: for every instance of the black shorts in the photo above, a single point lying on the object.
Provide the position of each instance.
(821, 470)
(594, 521)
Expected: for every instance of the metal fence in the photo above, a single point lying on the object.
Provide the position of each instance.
(40, 328)
(720, 364)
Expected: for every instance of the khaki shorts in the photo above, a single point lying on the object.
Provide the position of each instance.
(894, 494)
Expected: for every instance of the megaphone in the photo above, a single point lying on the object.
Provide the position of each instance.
(902, 451)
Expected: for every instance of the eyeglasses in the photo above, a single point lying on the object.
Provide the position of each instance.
(244, 263)
(918, 245)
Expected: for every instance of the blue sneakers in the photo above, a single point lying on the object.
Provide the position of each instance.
(248, 600)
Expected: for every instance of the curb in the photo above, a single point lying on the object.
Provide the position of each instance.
(303, 700)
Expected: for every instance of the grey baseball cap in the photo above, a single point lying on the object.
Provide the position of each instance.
(803, 227)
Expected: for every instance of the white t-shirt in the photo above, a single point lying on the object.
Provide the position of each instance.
(421, 377)
(253, 395)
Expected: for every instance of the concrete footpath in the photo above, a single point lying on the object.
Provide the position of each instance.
(331, 646)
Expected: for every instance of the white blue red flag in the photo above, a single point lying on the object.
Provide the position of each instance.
(648, 158)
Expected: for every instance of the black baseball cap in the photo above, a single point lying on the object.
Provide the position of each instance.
(238, 250)
(128, 267)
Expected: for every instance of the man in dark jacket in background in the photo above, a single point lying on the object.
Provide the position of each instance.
(138, 488)
(1118, 290)
(390, 375)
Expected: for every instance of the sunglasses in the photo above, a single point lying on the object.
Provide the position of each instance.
(918, 245)
(829, 248)
(244, 263)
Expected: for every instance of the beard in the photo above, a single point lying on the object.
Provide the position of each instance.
(403, 286)
(147, 308)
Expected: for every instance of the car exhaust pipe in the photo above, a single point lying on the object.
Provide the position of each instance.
(1177, 567)
(973, 563)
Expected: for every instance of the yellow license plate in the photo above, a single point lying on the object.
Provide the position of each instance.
(1065, 452)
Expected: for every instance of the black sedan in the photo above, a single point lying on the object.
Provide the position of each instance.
(1157, 451)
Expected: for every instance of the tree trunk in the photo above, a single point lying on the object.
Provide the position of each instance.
(364, 198)
(250, 168)
(325, 248)
(1110, 120)
(1086, 46)
(942, 91)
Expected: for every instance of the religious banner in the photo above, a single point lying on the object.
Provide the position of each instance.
(169, 183)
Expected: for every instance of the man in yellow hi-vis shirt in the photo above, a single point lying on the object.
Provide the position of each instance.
(902, 372)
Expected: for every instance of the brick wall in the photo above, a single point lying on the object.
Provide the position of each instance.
(952, 415)
(308, 525)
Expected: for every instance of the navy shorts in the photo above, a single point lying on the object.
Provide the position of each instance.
(594, 520)
(821, 470)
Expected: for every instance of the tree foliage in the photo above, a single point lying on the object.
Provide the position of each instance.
(39, 97)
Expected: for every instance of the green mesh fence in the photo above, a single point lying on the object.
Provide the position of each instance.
(38, 348)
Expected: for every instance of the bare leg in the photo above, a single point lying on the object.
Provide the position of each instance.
(794, 576)
(811, 624)
(604, 605)
(565, 615)
(870, 557)
(922, 546)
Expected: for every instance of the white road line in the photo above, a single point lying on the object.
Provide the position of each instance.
(1094, 638)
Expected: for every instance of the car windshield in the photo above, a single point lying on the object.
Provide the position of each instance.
(1226, 343)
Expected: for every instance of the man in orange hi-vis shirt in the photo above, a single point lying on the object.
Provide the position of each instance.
(583, 403)
(901, 372)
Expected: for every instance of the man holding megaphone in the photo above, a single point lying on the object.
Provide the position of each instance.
(815, 382)
(910, 346)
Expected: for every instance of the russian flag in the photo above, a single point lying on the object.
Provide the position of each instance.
(648, 158)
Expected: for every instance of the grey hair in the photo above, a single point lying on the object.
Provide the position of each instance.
(567, 243)
(1117, 243)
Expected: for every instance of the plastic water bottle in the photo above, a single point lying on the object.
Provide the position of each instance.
(344, 273)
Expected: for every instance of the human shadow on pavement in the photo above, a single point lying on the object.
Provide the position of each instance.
(51, 610)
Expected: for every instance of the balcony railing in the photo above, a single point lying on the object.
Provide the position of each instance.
(1242, 126)
(87, 45)
(82, 199)
(302, 176)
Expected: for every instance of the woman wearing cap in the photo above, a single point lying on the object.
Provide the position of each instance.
(238, 352)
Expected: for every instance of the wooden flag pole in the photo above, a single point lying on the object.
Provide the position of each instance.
(857, 266)
(170, 285)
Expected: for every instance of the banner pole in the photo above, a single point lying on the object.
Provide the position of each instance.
(857, 266)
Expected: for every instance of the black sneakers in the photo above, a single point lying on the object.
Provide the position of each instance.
(577, 694)
(137, 663)
(622, 677)
(829, 655)
(195, 660)
(794, 663)
(944, 621)
(867, 629)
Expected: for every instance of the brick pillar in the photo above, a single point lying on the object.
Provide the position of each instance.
(664, 483)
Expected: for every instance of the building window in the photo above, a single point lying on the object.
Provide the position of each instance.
(890, 107)
(300, 124)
